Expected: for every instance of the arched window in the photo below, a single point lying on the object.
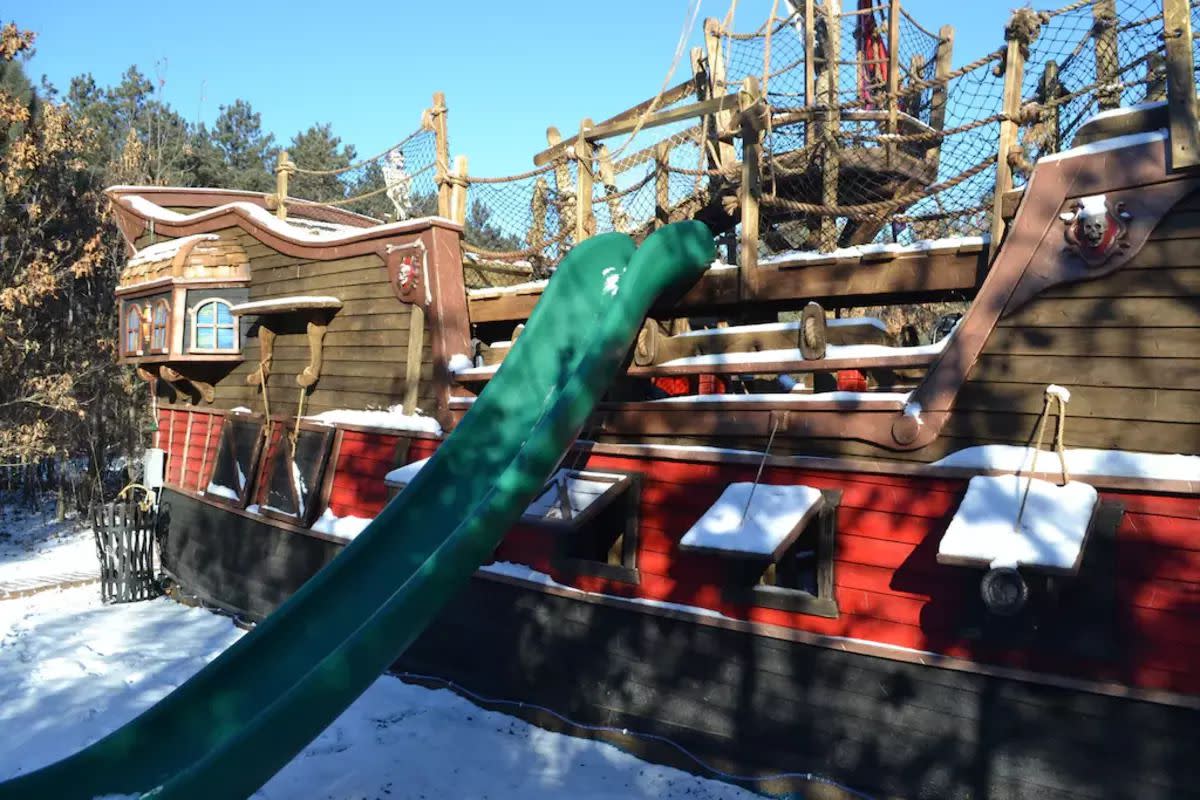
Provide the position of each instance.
(214, 328)
(158, 331)
(133, 329)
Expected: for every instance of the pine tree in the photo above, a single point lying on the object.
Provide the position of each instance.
(318, 149)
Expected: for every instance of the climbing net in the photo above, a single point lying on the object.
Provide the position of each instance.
(397, 183)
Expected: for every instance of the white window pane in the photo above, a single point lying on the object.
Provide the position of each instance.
(204, 338)
(204, 315)
(223, 314)
(225, 338)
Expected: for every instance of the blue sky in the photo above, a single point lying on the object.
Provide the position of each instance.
(369, 67)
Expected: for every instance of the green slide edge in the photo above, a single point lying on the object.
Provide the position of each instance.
(228, 729)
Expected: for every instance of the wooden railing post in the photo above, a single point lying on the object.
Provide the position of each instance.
(283, 168)
(537, 208)
(662, 184)
(441, 152)
(585, 219)
(750, 189)
(1108, 67)
(1014, 73)
(827, 238)
(1181, 85)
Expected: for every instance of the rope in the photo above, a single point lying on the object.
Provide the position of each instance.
(365, 161)
(296, 428)
(1066, 9)
(762, 29)
(758, 475)
(767, 45)
(348, 200)
(904, 13)
(1055, 395)
(547, 167)
(684, 36)
(509, 255)
(880, 207)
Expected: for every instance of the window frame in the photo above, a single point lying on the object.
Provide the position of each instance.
(741, 591)
(627, 490)
(132, 311)
(253, 465)
(216, 327)
(317, 499)
(160, 303)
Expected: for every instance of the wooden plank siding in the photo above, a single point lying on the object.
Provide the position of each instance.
(365, 347)
(1126, 345)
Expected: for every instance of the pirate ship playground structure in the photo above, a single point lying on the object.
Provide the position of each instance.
(805, 532)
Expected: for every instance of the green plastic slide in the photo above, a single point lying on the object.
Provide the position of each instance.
(239, 720)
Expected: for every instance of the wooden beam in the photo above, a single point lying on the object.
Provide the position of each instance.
(750, 188)
(662, 184)
(893, 65)
(827, 238)
(726, 154)
(925, 277)
(1181, 86)
(669, 97)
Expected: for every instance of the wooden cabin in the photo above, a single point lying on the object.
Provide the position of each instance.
(875, 633)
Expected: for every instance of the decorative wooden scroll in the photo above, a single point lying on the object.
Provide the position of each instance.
(177, 379)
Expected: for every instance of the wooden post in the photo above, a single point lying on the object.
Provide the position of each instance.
(750, 189)
(662, 185)
(608, 179)
(458, 193)
(722, 120)
(1014, 73)
(937, 99)
(828, 236)
(585, 220)
(537, 207)
(438, 123)
(1108, 68)
(1181, 85)
(810, 53)
(1049, 90)
(1156, 77)
(893, 78)
(566, 189)
(283, 168)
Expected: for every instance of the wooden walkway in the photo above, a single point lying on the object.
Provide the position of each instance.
(24, 587)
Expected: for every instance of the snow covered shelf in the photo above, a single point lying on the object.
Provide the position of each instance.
(1052, 534)
(285, 305)
(571, 498)
(756, 522)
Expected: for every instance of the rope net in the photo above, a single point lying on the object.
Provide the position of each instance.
(399, 183)
(850, 154)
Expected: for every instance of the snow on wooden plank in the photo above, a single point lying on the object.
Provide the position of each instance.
(279, 305)
(754, 521)
(581, 489)
(1080, 461)
(1052, 531)
(402, 476)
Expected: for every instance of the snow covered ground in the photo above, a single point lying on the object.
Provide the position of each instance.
(35, 549)
(72, 670)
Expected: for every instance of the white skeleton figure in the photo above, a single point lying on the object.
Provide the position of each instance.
(398, 183)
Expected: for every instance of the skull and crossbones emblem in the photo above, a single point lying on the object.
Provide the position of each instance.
(1094, 231)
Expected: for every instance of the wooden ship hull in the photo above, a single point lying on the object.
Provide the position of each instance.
(860, 651)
